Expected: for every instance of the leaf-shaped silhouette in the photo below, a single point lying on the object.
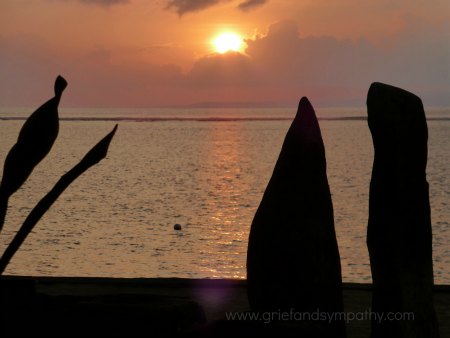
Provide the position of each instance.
(95, 155)
(35, 140)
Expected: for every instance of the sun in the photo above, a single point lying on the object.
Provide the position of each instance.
(226, 42)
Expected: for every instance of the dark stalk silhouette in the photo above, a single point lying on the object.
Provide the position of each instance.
(36, 138)
(95, 155)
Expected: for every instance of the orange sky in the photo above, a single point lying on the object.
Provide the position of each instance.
(140, 53)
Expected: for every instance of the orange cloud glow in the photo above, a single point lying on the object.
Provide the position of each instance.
(138, 53)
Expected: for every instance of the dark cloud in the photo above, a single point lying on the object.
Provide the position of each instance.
(186, 6)
(104, 2)
(248, 5)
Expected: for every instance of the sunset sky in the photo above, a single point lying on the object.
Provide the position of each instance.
(142, 53)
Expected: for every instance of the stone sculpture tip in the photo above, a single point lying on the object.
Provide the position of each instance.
(304, 108)
(305, 123)
(304, 102)
(397, 115)
(382, 89)
(391, 102)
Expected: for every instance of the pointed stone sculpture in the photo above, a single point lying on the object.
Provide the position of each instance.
(293, 260)
(35, 140)
(399, 228)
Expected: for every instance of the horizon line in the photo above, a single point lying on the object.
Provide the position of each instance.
(213, 105)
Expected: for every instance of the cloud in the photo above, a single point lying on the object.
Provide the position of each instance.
(217, 70)
(278, 67)
(186, 6)
(283, 65)
(104, 2)
(249, 5)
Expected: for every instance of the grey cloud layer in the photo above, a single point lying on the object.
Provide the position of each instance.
(104, 2)
(182, 7)
(251, 4)
(186, 6)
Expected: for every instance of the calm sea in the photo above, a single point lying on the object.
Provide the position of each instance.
(205, 169)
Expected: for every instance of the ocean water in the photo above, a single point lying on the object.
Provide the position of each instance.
(205, 169)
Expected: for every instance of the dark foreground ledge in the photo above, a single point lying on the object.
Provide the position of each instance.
(156, 307)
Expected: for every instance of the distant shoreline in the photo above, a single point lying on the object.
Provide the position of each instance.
(203, 119)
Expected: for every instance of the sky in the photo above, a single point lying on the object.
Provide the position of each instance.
(142, 53)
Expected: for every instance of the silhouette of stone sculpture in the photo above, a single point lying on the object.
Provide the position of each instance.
(293, 259)
(35, 140)
(399, 228)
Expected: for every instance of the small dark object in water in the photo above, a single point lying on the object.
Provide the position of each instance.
(177, 227)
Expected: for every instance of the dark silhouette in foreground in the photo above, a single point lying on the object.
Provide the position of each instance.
(293, 262)
(399, 229)
(95, 155)
(35, 140)
(293, 259)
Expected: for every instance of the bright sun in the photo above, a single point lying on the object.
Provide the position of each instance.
(226, 42)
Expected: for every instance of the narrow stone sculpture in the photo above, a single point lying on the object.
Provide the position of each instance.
(293, 260)
(399, 228)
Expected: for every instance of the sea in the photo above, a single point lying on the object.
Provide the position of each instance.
(205, 169)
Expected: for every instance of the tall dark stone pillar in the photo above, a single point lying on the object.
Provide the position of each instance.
(399, 230)
(293, 260)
